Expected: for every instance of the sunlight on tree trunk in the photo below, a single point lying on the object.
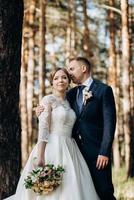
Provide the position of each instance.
(126, 82)
(86, 34)
(23, 102)
(112, 80)
(71, 31)
(131, 32)
(42, 61)
(30, 73)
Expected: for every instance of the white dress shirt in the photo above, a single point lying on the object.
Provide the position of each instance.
(88, 82)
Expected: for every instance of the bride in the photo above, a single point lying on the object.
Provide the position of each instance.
(56, 146)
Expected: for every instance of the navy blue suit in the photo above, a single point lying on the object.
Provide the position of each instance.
(94, 132)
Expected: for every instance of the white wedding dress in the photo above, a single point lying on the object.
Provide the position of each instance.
(55, 127)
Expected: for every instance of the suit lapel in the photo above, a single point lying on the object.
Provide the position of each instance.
(76, 108)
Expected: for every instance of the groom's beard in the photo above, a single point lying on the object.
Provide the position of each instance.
(74, 81)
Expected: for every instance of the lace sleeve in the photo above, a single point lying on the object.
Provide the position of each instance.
(44, 120)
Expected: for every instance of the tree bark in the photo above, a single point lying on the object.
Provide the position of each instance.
(131, 32)
(126, 82)
(30, 74)
(86, 34)
(71, 31)
(42, 62)
(112, 80)
(23, 101)
(11, 17)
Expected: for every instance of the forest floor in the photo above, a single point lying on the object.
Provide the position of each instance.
(124, 189)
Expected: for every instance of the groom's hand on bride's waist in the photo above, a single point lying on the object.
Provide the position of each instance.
(39, 109)
(102, 162)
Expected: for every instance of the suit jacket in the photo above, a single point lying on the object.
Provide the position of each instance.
(95, 125)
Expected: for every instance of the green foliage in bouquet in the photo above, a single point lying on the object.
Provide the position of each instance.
(43, 180)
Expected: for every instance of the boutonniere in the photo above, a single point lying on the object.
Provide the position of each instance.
(87, 94)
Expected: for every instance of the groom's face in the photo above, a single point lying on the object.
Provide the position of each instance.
(76, 71)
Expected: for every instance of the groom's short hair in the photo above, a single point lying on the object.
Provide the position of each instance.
(84, 61)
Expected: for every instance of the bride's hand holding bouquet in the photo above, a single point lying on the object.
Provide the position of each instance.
(40, 162)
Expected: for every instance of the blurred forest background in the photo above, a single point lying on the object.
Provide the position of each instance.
(53, 32)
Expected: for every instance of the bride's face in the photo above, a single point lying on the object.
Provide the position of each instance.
(60, 81)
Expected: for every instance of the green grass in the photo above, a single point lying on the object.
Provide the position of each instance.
(124, 189)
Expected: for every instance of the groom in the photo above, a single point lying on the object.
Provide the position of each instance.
(93, 103)
(95, 125)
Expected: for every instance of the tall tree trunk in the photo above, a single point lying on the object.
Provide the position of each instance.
(112, 80)
(23, 102)
(119, 96)
(30, 73)
(126, 82)
(71, 31)
(86, 38)
(131, 32)
(42, 62)
(119, 130)
(11, 16)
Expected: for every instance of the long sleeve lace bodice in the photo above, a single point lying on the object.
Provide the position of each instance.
(44, 120)
(57, 117)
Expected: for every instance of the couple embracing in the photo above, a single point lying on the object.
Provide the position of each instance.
(76, 130)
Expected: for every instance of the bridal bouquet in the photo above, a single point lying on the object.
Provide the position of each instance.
(43, 180)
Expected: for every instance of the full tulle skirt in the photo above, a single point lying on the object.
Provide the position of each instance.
(76, 184)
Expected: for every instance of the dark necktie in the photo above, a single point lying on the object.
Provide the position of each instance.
(80, 97)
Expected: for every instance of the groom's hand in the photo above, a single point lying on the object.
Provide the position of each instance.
(102, 162)
(39, 109)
